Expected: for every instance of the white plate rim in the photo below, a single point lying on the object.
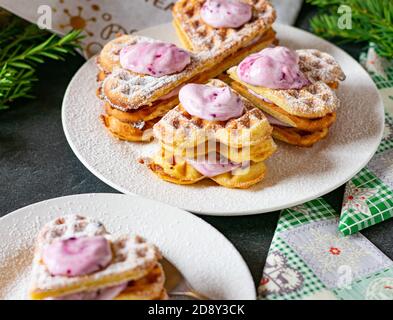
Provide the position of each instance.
(277, 26)
(17, 215)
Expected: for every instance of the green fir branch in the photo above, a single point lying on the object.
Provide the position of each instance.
(22, 48)
(372, 21)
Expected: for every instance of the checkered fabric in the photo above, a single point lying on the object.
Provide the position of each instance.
(314, 210)
(380, 204)
(368, 196)
(310, 259)
(310, 284)
(387, 140)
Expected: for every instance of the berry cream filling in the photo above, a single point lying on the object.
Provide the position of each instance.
(108, 293)
(213, 167)
(211, 103)
(274, 68)
(253, 41)
(77, 256)
(226, 13)
(259, 96)
(272, 120)
(154, 58)
(171, 94)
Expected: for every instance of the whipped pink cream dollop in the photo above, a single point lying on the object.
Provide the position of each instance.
(211, 103)
(77, 256)
(226, 13)
(108, 293)
(154, 58)
(274, 68)
(211, 168)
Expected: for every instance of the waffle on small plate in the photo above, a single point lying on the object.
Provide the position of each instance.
(134, 264)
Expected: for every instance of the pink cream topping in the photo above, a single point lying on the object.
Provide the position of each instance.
(154, 58)
(226, 13)
(274, 68)
(211, 103)
(77, 256)
(108, 293)
(213, 167)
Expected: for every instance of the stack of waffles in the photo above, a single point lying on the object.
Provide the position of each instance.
(135, 101)
(77, 259)
(197, 35)
(299, 116)
(241, 143)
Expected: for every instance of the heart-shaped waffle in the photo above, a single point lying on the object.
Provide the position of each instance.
(177, 170)
(126, 90)
(134, 102)
(149, 287)
(246, 141)
(306, 124)
(257, 152)
(298, 137)
(313, 101)
(320, 66)
(132, 259)
(109, 57)
(182, 130)
(300, 116)
(196, 35)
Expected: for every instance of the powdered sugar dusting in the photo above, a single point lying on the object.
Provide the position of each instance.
(317, 99)
(129, 252)
(319, 66)
(127, 90)
(204, 37)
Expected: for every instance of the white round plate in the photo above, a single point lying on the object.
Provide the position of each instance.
(183, 239)
(295, 175)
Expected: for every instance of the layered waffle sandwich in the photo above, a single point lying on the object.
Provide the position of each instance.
(213, 133)
(141, 81)
(77, 259)
(236, 28)
(133, 68)
(294, 88)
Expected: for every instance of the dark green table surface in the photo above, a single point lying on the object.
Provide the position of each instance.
(36, 163)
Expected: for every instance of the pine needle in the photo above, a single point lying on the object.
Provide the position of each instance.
(22, 48)
(372, 21)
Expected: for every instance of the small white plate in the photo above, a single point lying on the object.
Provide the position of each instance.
(295, 175)
(206, 258)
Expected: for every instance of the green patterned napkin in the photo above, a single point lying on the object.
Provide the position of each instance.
(310, 259)
(368, 197)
